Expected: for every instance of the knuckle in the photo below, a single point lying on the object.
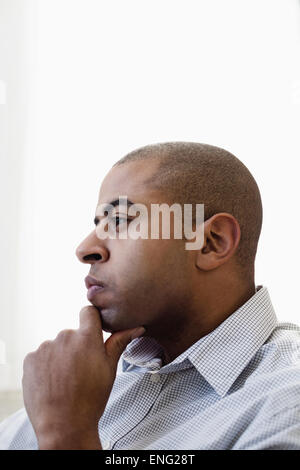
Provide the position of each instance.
(29, 356)
(28, 359)
(44, 346)
(65, 335)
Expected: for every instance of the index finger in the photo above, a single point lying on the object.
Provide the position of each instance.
(89, 319)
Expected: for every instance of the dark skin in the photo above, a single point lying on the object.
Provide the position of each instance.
(202, 291)
(177, 295)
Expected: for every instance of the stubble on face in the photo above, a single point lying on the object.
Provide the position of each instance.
(147, 282)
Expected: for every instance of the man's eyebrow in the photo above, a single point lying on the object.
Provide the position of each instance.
(114, 203)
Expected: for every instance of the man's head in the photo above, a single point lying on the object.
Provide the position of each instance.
(158, 283)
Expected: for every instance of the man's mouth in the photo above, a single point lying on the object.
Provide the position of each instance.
(93, 291)
(94, 287)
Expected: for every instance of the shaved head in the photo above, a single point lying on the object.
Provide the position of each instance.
(194, 173)
(177, 295)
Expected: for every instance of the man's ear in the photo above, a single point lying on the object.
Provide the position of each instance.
(222, 234)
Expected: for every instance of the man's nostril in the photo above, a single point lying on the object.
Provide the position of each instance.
(94, 256)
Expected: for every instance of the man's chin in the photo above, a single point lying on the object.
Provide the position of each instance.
(106, 326)
(113, 321)
(109, 322)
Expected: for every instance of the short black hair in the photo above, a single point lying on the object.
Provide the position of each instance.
(195, 173)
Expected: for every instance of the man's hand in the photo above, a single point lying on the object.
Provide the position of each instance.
(67, 383)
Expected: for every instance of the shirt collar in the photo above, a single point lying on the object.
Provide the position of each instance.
(221, 355)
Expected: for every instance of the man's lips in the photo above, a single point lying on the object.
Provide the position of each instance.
(91, 281)
(94, 286)
(93, 291)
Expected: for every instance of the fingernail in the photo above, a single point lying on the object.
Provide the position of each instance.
(138, 332)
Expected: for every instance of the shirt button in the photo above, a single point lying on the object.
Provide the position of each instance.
(154, 378)
(106, 445)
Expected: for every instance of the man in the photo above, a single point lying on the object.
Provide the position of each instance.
(204, 363)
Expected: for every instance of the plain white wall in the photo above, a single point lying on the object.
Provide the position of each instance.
(16, 80)
(104, 78)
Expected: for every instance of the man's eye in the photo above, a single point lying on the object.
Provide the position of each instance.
(120, 220)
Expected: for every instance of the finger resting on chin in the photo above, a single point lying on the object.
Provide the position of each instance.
(89, 318)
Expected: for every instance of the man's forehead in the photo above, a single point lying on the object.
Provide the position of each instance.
(132, 197)
(129, 180)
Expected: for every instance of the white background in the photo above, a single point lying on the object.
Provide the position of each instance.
(83, 82)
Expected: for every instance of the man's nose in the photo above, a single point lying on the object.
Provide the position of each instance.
(91, 250)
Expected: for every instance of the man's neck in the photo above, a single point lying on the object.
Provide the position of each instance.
(201, 325)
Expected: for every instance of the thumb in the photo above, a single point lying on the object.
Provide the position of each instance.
(118, 341)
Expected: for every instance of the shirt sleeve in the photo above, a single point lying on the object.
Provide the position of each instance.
(16, 432)
(281, 431)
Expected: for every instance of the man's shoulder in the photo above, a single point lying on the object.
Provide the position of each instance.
(16, 432)
(271, 383)
(282, 348)
(273, 374)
